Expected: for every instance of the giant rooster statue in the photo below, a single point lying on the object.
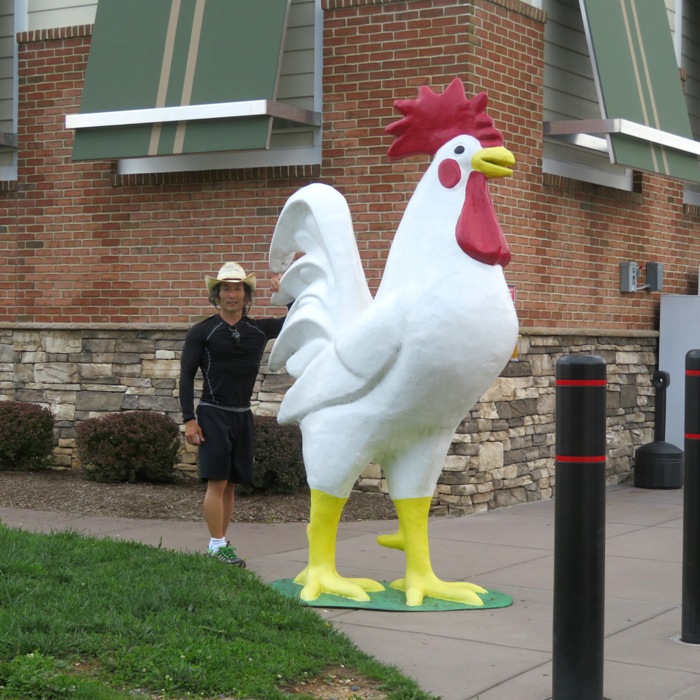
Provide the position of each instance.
(388, 380)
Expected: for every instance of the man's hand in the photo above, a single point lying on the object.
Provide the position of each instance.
(193, 433)
(275, 283)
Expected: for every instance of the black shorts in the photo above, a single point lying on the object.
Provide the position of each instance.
(228, 448)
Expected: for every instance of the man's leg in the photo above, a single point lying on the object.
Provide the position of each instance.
(228, 505)
(218, 510)
(217, 506)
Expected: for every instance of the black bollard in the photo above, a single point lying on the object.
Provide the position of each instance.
(579, 529)
(690, 618)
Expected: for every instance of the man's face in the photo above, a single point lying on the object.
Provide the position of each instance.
(232, 296)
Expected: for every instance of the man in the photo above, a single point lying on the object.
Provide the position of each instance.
(227, 347)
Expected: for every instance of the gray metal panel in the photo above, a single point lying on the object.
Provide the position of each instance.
(7, 69)
(679, 332)
(296, 80)
(199, 112)
(49, 14)
(569, 84)
(626, 128)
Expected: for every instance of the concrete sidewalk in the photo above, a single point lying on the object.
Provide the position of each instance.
(501, 654)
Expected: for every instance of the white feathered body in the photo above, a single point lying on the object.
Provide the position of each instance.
(389, 379)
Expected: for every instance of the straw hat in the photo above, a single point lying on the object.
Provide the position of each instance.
(230, 272)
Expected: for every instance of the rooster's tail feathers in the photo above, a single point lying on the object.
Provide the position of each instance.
(327, 282)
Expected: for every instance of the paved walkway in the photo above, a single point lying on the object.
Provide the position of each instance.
(502, 654)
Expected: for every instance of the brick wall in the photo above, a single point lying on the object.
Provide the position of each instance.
(83, 245)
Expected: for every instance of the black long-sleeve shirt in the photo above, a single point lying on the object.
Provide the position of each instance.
(229, 358)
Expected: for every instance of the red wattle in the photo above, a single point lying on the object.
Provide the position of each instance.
(478, 232)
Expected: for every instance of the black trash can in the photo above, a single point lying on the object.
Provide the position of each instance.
(659, 464)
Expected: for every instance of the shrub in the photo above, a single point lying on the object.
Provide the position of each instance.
(130, 446)
(279, 465)
(26, 436)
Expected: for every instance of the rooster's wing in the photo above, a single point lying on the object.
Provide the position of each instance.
(335, 342)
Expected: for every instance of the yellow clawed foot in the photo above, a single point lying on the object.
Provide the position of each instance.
(393, 541)
(321, 576)
(323, 580)
(430, 585)
(420, 580)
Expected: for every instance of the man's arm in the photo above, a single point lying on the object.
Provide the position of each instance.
(189, 364)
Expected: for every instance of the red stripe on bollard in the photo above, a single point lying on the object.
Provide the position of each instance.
(692, 373)
(582, 460)
(581, 382)
(692, 436)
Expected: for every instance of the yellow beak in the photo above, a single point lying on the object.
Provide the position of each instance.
(493, 162)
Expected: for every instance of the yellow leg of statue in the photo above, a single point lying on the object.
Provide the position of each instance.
(419, 579)
(320, 575)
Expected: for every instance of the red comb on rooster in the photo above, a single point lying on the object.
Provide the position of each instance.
(433, 119)
(387, 380)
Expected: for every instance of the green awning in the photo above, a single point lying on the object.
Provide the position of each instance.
(639, 86)
(167, 77)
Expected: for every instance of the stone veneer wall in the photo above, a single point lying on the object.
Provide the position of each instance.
(502, 454)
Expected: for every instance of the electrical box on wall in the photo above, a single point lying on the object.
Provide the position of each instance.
(629, 275)
(655, 276)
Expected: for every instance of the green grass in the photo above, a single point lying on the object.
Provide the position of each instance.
(99, 619)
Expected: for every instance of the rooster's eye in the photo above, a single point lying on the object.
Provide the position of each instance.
(459, 149)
